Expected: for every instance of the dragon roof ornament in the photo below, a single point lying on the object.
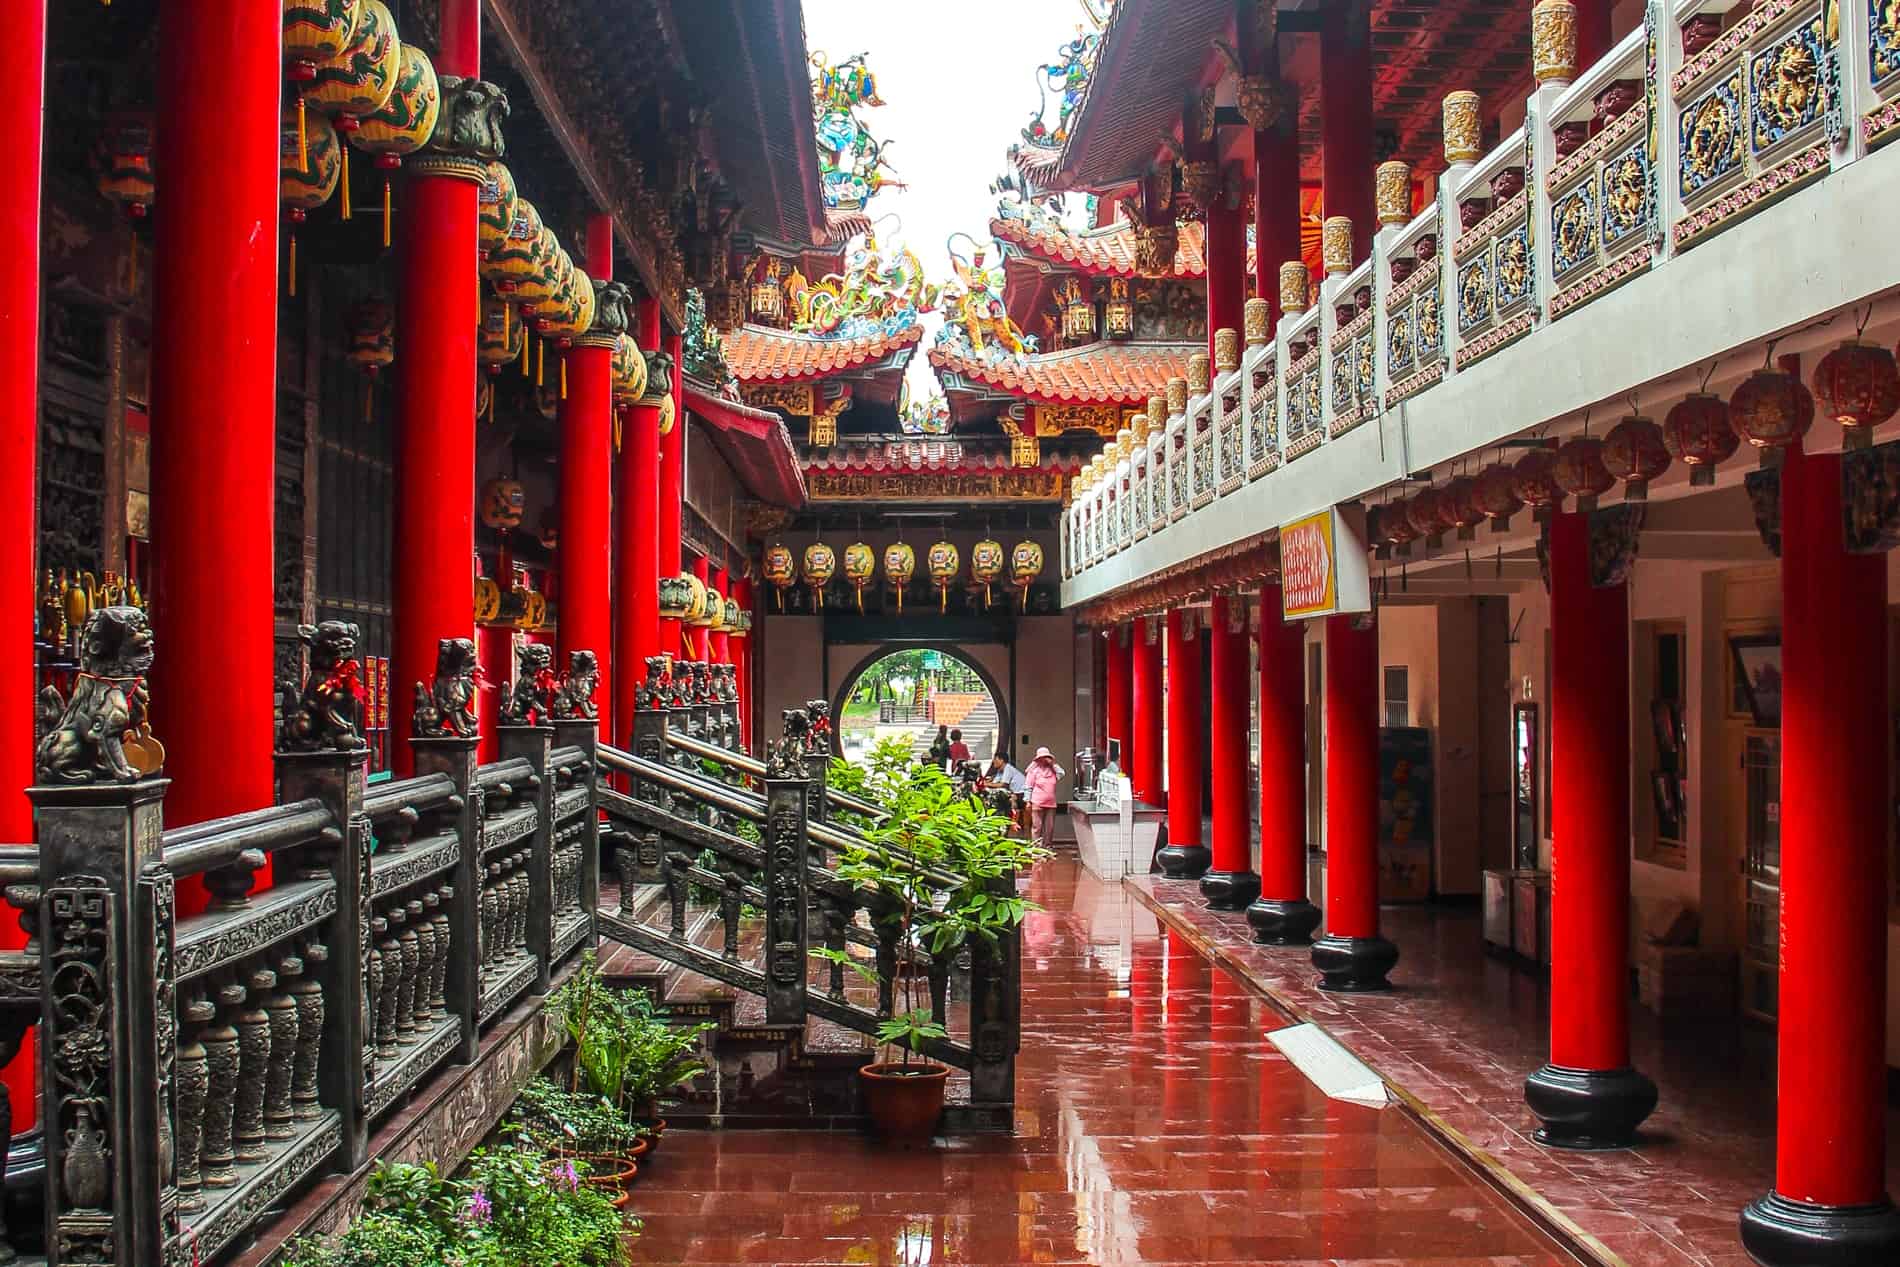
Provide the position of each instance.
(851, 162)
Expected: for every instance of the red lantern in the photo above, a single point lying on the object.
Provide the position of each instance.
(1395, 524)
(1461, 506)
(1859, 386)
(1634, 453)
(1426, 513)
(1697, 433)
(1496, 494)
(1580, 471)
(1535, 479)
(1772, 411)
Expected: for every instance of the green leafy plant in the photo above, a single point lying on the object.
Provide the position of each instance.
(562, 1121)
(625, 1052)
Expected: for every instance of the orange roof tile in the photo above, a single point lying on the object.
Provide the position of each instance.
(1096, 373)
(1108, 251)
(760, 354)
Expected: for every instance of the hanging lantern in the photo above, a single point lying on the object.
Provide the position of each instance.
(1425, 511)
(484, 396)
(1118, 311)
(1025, 565)
(860, 568)
(568, 313)
(503, 503)
(820, 564)
(1771, 410)
(500, 337)
(536, 289)
(122, 163)
(943, 563)
(696, 605)
(1697, 433)
(517, 256)
(495, 207)
(768, 298)
(1395, 523)
(986, 564)
(315, 31)
(405, 122)
(1078, 310)
(779, 569)
(358, 81)
(1634, 453)
(1461, 507)
(900, 564)
(1859, 386)
(629, 370)
(306, 175)
(1535, 475)
(371, 345)
(1580, 471)
(1496, 494)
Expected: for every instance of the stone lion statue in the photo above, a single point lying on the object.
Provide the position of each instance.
(85, 737)
(532, 699)
(578, 687)
(446, 709)
(328, 712)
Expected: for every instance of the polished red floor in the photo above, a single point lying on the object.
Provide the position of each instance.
(1155, 1125)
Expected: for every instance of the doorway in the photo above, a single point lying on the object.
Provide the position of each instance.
(910, 692)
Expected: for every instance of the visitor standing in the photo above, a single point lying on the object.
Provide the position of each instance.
(1042, 776)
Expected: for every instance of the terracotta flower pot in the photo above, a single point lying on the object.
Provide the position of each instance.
(903, 1102)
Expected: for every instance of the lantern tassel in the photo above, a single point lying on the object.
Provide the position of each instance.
(616, 431)
(346, 180)
(369, 400)
(900, 600)
(540, 362)
(860, 598)
(303, 138)
(387, 221)
(525, 355)
(943, 600)
(563, 378)
(293, 265)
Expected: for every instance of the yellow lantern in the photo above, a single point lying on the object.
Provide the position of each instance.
(779, 569)
(629, 370)
(503, 503)
(568, 313)
(900, 564)
(314, 32)
(695, 609)
(1025, 565)
(860, 568)
(499, 338)
(943, 563)
(371, 330)
(820, 564)
(554, 271)
(495, 207)
(516, 257)
(306, 173)
(986, 564)
(358, 81)
(405, 122)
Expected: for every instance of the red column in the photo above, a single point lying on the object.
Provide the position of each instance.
(22, 64)
(719, 644)
(1276, 205)
(214, 410)
(586, 489)
(672, 454)
(1830, 1203)
(742, 657)
(1184, 857)
(637, 510)
(1119, 690)
(436, 316)
(1231, 883)
(1145, 651)
(1352, 955)
(698, 638)
(1594, 33)
(1588, 1096)
(1226, 268)
(1345, 114)
(1282, 916)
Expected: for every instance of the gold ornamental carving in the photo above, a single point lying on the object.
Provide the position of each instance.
(1295, 288)
(1462, 128)
(1124, 444)
(1226, 350)
(1554, 41)
(793, 398)
(1177, 395)
(1256, 315)
(1336, 244)
(1157, 414)
(1392, 192)
(1200, 375)
(1053, 420)
(935, 486)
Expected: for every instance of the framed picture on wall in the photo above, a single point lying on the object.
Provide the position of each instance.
(1755, 682)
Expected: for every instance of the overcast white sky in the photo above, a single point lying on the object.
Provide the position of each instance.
(959, 85)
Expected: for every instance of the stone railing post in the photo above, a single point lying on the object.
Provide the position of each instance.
(533, 744)
(584, 733)
(345, 1058)
(640, 863)
(108, 1030)
(455, 756)
(787, 793)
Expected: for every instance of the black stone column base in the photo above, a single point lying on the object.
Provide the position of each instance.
(1230, 890)
(1276, 922)
(1784, 1233)
(1589, 1109)
(1354, 964)
(1184, 862)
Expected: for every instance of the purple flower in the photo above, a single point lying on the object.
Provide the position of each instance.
(567, 1177)
(479, 1208)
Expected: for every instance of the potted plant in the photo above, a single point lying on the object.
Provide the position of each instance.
(929, 827)
(625, 1052)
(659, 1057)
(581, 1124)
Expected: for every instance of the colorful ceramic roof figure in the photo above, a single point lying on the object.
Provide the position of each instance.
(851, 161)
(976, 322)
(929, 417)
(878, 293)
(1067, 75)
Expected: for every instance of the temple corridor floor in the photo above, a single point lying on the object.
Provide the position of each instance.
(1155, 1124)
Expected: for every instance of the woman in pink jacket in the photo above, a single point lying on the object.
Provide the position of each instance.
(1042, 776)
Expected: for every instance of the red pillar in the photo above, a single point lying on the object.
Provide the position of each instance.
(1345, 113)
(586, 489)
(637, 510)
(1588, 1096)
(1145, 652)
(1226, 268)
(1352, 955)
(698, 638)
(1119, 690)
(1184, 857)
(1276, 205)
(1830, 1203)
(742, 657)
(1282, 916)
(1231, 883)
(214, 410)
(1594, 34)
(672, 453)
(22, 64)
(719, 644)
(436, 318)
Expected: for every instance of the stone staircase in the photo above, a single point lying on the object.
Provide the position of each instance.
(978, 727)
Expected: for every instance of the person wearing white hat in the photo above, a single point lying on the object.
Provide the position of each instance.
(1042, 776)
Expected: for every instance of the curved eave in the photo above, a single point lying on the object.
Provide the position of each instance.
(760, 354)
(755, 443)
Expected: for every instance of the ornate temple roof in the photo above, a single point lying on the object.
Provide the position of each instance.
(754, 441)
(1097, 373)
(760, 354)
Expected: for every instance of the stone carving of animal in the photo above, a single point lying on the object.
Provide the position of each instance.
(87, 741)
(819, 738)
(576, 695)
(531, 701)
(652, 692)
(787, 757)
(328, 713)
(446, 708)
